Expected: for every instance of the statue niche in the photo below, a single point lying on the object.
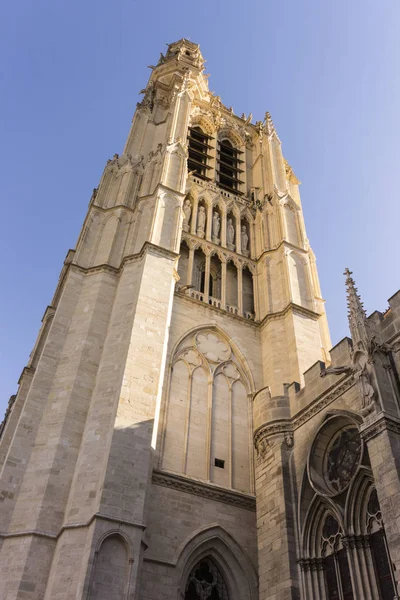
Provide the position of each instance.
(187, 212)
(201, 221)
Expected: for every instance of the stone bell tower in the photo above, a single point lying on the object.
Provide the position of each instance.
(193, 255)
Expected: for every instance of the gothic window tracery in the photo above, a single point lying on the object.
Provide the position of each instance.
(205, 582)
(335, 563)
(342, 458)
(208, 413)
(334, 457)
(343, 533)
(379, 548)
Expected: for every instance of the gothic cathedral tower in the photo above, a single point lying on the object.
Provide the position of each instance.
(127, 456)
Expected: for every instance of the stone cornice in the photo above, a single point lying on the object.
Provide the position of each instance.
(281, 426)
(290, 307)
(382, 422)
(282, 243)
(286, 427)
(147, 247)
(55, 536)
(112, 208)
(206, 490)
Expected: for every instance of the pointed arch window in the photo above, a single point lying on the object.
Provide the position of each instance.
(205, 582)
(199, 152)
(229, 167)
(355, 554)
(335, 562)
(379, 548)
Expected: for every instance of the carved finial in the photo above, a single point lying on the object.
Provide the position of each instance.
(359, 326)
(269, 125)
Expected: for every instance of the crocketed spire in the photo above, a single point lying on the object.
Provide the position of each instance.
(360, 329)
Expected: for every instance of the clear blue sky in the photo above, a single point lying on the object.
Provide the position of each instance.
(70, 75)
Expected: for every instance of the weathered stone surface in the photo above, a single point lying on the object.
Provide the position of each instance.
(181, 411)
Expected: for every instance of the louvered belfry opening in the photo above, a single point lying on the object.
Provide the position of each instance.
(229, 167)
(199, 156)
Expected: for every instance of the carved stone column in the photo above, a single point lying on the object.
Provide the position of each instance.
(209, 221)
(195, 209)
(190, 265)
(238, 235)
(363, 585)
(255, 293)
(223, 285)
(207, 278)
(252, 240)
(240, 288)
(313, 578)
(223, 228)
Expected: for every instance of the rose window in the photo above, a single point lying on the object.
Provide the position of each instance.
(334, 457)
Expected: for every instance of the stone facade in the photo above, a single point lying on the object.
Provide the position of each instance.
(182, 429)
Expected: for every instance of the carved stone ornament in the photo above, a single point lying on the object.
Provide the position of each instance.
(148, 98)
(216, 225)
(192, 358)
(336, 371)
(199, 488)
(187, 211)
(263, 446)
(212, 347)
(289, 439)
(201, 221)
(231, 371)
(366, 390)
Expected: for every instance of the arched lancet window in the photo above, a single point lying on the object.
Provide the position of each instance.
(199, 148)
(208, 413)
(183, 263)
(111, 569)
(229, 167)
(205, 582)
(335, 561)
(215, 278)
(379, 548)
(248, 293)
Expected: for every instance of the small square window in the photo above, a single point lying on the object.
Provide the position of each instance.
(219, 463)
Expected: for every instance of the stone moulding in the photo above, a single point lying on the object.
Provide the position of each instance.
(383, 422)
(288, 426)
(55, 536)
(322, 401)
(206, 490)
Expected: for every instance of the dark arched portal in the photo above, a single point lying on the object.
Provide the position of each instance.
(205, 582)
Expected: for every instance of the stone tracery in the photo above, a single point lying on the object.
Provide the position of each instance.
(344, 553)
(208, 412)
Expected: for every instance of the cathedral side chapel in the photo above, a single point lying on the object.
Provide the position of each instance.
(183, 428)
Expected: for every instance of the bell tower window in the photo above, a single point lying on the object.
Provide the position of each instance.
(199, 152)
(229, 167)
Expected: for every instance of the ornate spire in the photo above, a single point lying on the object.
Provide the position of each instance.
(269, 125)
(360, 328)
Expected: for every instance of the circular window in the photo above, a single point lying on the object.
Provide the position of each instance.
(334, 457)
